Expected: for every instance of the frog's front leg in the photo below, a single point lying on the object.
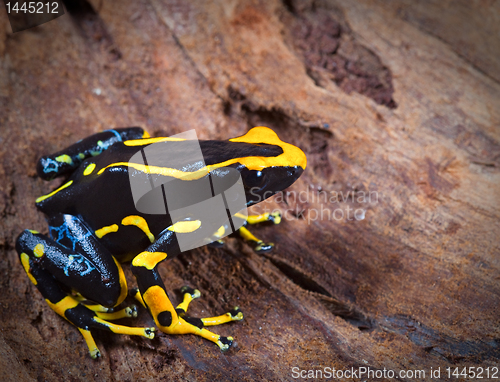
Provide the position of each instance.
(154, 297)
(258, 245)
(83, 266)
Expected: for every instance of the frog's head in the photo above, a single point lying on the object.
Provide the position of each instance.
(264, 163)
(280, 165)
(267, 164)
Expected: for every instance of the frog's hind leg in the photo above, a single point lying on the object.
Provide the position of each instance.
(258, 245)
(56, 269)
(70, 308)
(67, 160)
(76, 258)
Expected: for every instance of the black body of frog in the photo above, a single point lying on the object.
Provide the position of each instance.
(94, 226)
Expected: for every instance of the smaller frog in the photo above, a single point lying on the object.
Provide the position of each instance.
(94, 227)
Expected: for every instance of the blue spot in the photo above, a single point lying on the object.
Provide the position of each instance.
(50, 165)
(118, 136)
(63, 232)
(105, 145)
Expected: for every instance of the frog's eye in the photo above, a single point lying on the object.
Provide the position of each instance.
(254, 179)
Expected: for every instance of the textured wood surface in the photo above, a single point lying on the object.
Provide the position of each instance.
(399, 117)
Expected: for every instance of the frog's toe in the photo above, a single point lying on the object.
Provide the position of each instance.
(95, 353)
(149, 333)
(261, 247)
(176, 321)
(258, 245)
(275, 217)
(190, 294)
(131, 311)
(225, 343)
(233, 315)
(236, 314)
(193, 293)
(93, 349)
(88, 319)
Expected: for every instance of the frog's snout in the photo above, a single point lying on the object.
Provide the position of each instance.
(293, 173)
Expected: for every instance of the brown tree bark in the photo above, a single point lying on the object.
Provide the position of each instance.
(387, 256)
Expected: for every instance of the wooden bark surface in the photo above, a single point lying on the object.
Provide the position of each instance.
(384, 99)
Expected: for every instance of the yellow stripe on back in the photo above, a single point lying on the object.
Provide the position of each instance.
(292, 156)
(88, 170)
(140, 222)
(147, 141)
(165, 171)
(39, 199)
(123, 283)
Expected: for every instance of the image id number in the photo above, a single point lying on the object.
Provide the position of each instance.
(32, 7)
(473, 372)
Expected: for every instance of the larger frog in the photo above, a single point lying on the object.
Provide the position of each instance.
(94, 226)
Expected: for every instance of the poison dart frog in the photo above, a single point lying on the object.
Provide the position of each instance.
(94, 227)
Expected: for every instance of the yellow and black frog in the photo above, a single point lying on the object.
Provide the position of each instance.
(95, 225)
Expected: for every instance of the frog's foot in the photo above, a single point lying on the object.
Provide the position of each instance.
(258, 245)
(105, 312)
(97, 322)
(224, 343)
(184, 324)
(129, 311)
(190, 294)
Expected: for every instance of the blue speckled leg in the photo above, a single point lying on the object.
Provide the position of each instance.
(67, 160)
(81, 265)
(63, 303)
(75, 258)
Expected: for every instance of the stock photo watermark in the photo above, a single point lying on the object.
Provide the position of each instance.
(367, 373)
(328, 205)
